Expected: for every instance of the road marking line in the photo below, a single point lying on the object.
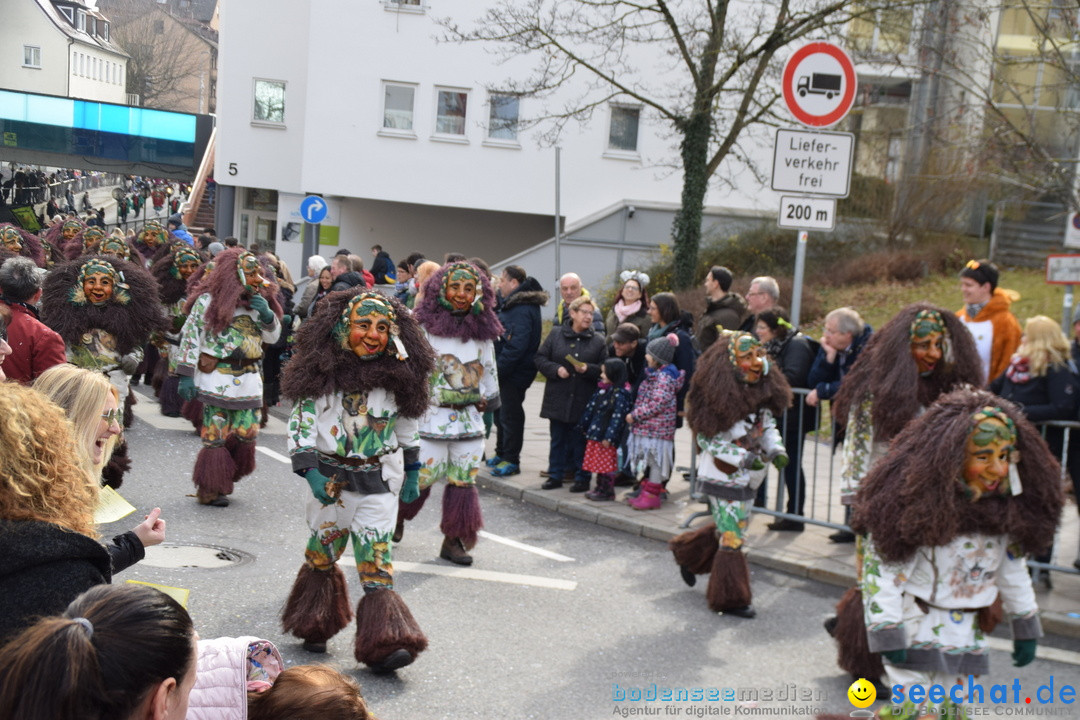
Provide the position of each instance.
(527, 548)
(1042, 653)
(488, 575)
(276, 455)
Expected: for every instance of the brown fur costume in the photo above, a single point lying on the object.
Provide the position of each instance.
(319, 366)
(172, 288)
(886, 372)
(129, 324)
(31, 245)
(227, 292)
(718, 398)
(914, 496)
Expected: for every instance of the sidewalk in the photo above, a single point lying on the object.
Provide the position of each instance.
(806, 554)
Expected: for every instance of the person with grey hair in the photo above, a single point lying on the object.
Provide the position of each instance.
(764, 293)
(34, 347)
(844, 338)
(308, 285)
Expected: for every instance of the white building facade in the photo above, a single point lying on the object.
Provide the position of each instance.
(60, 48)
(401, 134)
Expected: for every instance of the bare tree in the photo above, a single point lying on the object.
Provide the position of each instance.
(165, 57)
(707, 70)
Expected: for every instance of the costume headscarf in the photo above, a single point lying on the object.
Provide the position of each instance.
(719, 397)
(886, 372)
(29, 245)
(227, 292)
(172, 286)
(119, 246)
(915, 496)
(433, 310)
(59, 236)
(321, 364)
(741, 342)
(130, 316)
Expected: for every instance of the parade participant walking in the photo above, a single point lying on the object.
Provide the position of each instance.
(16, 241)
(650, 450)
(105, 309)
(965, 492)
(230, 315)
(734, 399)
(457, 314)
(921, 353)
(359, 382)
(172, 273)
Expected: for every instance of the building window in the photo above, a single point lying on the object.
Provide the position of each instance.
(80, 21)
(503, 117)
(413, 6)
(159, 27)
(105, 31)
(450, 112)
(270, 101)
(31, 56)
(623, 132)
(398, 106)
(69, 13)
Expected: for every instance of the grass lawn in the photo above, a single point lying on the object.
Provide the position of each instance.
(877, 302)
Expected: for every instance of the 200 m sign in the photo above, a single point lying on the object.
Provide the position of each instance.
(807, 213)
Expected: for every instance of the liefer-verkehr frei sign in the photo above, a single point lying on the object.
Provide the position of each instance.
(812, 162)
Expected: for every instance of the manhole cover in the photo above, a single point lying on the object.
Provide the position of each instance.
(178, 555)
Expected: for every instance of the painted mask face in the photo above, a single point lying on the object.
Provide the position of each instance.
(460, 289)
(98, 287)
(186, 263)
(70, 229)
(368, 333)
(748, 357)
(91, 238)
(11, 239)
(927, 340)
(989, 451)
(114, 246)
(152, 235)
(250, 272)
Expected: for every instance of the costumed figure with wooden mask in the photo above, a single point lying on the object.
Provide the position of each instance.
(172, 272)
(358, 381)
(921, 353)
(221, 342)
(14, 241)
(457, 314)
(105, 310)
(732, 406)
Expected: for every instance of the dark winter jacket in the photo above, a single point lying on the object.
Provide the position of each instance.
(565, 398)
(605, 415)
(825, 377)
(635, 364)
(794, 355)
(515, 349)
(640, 318)
(1052, 396)
(348, 280)
(43, 567)
(727, 312)
(383, 269)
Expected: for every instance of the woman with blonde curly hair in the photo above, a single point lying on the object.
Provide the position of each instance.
(49, 551)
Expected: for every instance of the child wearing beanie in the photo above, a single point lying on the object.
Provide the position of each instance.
(603, 423)
(651, 448)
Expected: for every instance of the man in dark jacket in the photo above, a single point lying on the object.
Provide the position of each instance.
(722, 308)
(343, 275)
(844, 338)
(522, 298)
(627, 346)
(383, 267)
(34, 347)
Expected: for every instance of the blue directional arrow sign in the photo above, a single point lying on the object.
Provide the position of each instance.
(313, 209)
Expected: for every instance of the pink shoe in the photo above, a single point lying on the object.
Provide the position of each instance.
(649, 499)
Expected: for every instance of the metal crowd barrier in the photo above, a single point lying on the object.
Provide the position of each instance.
(821, 466)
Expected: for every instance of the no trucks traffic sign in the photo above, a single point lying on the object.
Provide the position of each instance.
(819, 84)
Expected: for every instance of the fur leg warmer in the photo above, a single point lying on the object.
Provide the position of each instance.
(214, 471)
(461, 517)
(113, 472)
(385, 625)
(408, 511)
(169, 396)
(129, 403)
(729, 582)
(244, 457)
(318, 605)
(161, 373)
(853, 648)
(192, 410)
(694, 549)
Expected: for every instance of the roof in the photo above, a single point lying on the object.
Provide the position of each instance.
(61, 22)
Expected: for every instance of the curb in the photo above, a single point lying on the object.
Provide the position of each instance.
(1056, 623)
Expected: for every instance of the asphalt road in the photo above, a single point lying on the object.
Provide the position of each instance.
(555, 618)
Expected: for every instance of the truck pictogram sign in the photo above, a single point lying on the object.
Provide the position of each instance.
(819, 84)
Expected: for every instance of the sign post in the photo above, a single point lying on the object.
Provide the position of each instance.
(313, 209)
(819, 86)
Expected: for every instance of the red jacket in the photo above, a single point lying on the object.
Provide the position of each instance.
(34, 347)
